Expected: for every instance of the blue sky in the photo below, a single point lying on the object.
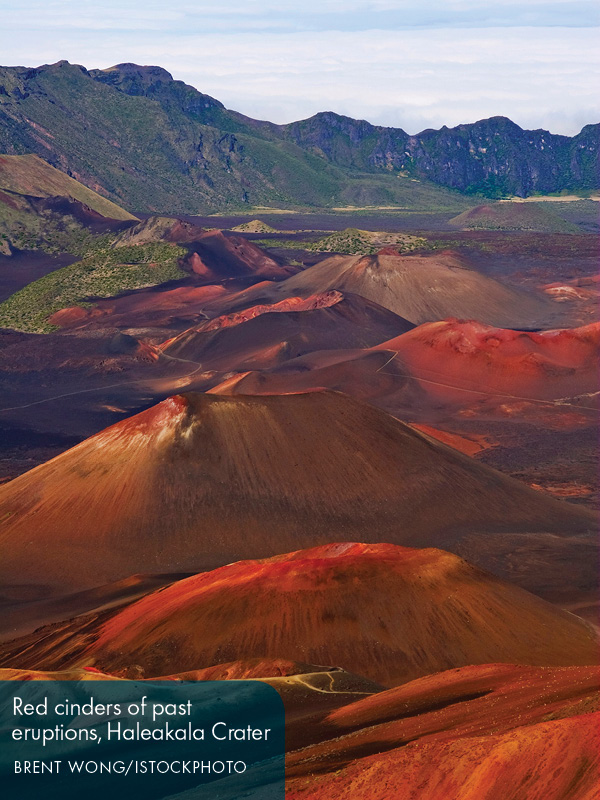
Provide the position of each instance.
(408, 64)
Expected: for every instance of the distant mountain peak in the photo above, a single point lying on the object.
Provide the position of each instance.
(129, 67)
(156, 83)
(63, 64)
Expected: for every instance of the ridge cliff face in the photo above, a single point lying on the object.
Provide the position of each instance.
(493, 156)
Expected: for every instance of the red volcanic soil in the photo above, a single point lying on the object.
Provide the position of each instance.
(202, 480)
(388, 251)
(291, 304)
(423, 288)
(18, 617)
(216, 256)
(575, 289)
(443, 709)
(374, 610)
(580, 296)
(466, 354)
(299, 326)
(146, 308)
(471, 700)
(67, 317)
(555, 760)
(168, 306)
(475, 733)
(472, 444)
(431, 371)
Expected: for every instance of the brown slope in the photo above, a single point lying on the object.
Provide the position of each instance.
(477, 733)
(177, 306)
(159, 229)
(22, 353)
(289, 304)
(201, 480)
(266, 334)
(227, 273)
(467, 701)
(216, 255)
(172, 307)
(35, 611)
(198, 463)
(31, 175)
(389, 613)
(101, 374)
(370, 375)
(424, 288)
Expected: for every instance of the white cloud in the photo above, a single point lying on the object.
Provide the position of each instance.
(290, 15)
(412, 78)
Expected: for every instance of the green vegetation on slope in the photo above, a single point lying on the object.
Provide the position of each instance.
(513, 216)
(26, 225)
(156, 146)
(255, 226)
(104, 272)
(41, 208)
(584, 214)
(356, 242)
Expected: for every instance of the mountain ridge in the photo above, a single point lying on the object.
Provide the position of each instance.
(167, 141)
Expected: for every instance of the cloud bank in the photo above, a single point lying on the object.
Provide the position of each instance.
(405, 64)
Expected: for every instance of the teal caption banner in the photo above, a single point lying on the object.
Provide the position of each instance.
(213, 740)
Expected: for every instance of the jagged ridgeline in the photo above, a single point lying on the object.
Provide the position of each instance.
(155, 144)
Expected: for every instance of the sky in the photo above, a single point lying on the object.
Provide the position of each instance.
(413, 64)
